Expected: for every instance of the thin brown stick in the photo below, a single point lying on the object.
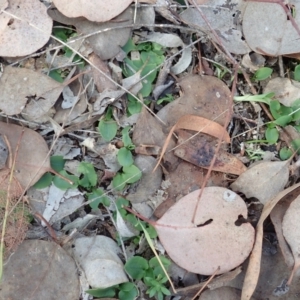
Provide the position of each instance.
(206, 283)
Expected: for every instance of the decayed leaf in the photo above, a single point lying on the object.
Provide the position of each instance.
(112, 39)
(223, 18)
(198, 124)
(149, 183)
(4, 18)
(93, 10)
(261, 19)
(31, 162)
(263, 181)
(185, 179)
(276, 216)
(214, 240)
(286, 90)
(44, 274)
(172, 40)
(155, 136)
(203, 96)
(98, 256)
(101, 82)
(253, 269)
(20, 38)
(200, 150)
(291, 232)
(223, 293)
(19, 85)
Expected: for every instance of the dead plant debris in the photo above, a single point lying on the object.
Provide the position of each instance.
(127, 130)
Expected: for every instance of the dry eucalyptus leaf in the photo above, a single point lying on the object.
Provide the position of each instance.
(263, 181)
(150, 181)
(22, 87)
(4, 18)
(93, 10)
(20, 38)
(40, 270)
(223, 293)
(155, 135)
(276, 216)
(200, 150)
(253, 269)
(203, 96)
(223, 17)
(216, 282)
(263, 19)
(112, 39)
(286, 90)
(101, 81)
(214, 240)
(291, 232)
(31, 161)
(99, 257)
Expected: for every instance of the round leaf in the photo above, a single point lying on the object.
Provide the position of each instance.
(263, 73)
(272, 135)
(44, 181)
(132, 174)
(136, 267)
(63, 184)
(108, 129)
(213, 240)
(125, 157)
(285, 153)
(57, 163)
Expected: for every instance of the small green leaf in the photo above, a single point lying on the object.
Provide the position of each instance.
(120, 202)
(155, 265)
(285, 153)
(283, 120)
(132, 174)
(134, 106)
(296, 145)
(136, 267)
(128, 291)
(165, 291)
(129, 46)
(108, 129)
(127, 286)
(102, 293)
(119, 182)
(263, 73)
(63, 184)
(128, 295)
(124, 157)
(167, 98)
(151, 231)
(54, 74)
(57, 163)
(44, 181)
(90, 176)
(272, 135)
(98, 196)
(125, 136)
(275, 108)
(297, 73)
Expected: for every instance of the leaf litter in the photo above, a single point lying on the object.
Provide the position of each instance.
(196, 121)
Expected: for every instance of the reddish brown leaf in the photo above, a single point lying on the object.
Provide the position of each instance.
(200, 150)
